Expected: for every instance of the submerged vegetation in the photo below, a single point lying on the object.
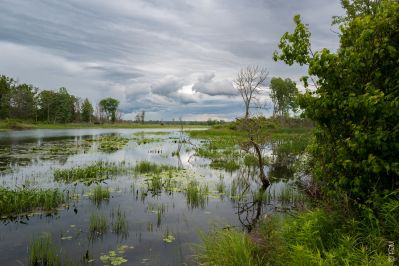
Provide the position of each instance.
(24, 200)
(111, 143)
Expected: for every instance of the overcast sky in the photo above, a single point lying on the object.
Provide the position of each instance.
(171, 58)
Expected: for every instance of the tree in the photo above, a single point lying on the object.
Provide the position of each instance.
(283, 94)
(109, 106)
(248, 83)
(46, 105)
(356, 101)
(22, 102)
(6, 84)
(87, 111)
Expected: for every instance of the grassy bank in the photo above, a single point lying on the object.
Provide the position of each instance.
(22, 125)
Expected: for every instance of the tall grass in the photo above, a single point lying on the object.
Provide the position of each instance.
(88, 174)
(99, 195)
(145, 167)
(20, 201)
(119, 223)
(228, 247)
(196, 194)
(98, 225)
(43, 252)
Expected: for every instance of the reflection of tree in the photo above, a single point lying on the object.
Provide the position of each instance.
(249, 211)
(282, 160)
(249, 195)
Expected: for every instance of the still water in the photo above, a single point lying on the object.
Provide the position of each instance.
(29, 158)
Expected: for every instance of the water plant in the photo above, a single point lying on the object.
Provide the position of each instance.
(99, 194)
(119, 223)
(196, 194)
(43, 252)
(94, 173)
(14, 202)
(146, 167)
(98, 225)
(111, 143)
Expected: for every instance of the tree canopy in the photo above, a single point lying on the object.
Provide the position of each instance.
(283, 94)
(356, 99)
(109, 106)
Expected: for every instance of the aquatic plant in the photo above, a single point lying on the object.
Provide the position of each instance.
(98, 225)
(22, 200)
(97, 172)
(99, 194)
(145, 167)
(111, 143)
(43, 252)
(119, 223)
(196, 194)
(114, 257)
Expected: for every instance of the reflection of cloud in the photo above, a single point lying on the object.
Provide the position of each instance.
(144, 52)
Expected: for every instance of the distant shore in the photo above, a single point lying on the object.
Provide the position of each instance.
(21, 125)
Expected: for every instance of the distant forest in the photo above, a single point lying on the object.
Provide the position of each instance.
(25, 102)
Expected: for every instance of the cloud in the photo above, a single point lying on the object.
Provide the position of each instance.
(146, 52)
(207, 85)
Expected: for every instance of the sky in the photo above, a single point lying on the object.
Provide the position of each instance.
(170, 58)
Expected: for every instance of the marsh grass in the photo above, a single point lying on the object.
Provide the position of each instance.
(227, 247)
(146, 167)
(196, 194)
(99, 194)
(98, 225)
(43, 252)
(94, 173)
(119, 223)
(21, 201)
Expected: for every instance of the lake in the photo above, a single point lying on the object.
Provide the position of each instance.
(163, 224)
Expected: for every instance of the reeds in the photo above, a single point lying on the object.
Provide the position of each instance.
(196, 194)
(98, 225)
(20, 201)
(119, 223)
(43, 252)
(99, 195)
(88, 174)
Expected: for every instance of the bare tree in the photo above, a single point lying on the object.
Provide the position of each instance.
(248, 83)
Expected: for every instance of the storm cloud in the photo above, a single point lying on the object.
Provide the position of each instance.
(173, 58)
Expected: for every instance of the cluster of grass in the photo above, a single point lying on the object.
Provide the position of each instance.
(229, 165)
(20, 201)
(316, 237)
(119, 223)
(196, 194)
(98, 225)
(228, 247)
(146, 167)
(97, 172)
(42, 251)
(99, 194)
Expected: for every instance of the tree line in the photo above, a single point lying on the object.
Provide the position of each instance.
(26, 102)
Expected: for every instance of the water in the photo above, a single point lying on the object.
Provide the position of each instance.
(28, 158)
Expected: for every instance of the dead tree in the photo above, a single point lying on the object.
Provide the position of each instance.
(255, 143)
(248, 83)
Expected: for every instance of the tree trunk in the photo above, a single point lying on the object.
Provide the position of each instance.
(263, 177)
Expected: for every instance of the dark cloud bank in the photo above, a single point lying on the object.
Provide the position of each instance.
(171, 58)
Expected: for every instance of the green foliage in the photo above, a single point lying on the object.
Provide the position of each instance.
(99, 194)
(228, 247)
(119, 223)
(87, 111)
(319, 238)
(146, 167)
(196, 194)
(97, 172)
(21, 201)
(109, 106)
(98, 225)
(284, 96)
(57, 106)
(355, 105)
(43, 252)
